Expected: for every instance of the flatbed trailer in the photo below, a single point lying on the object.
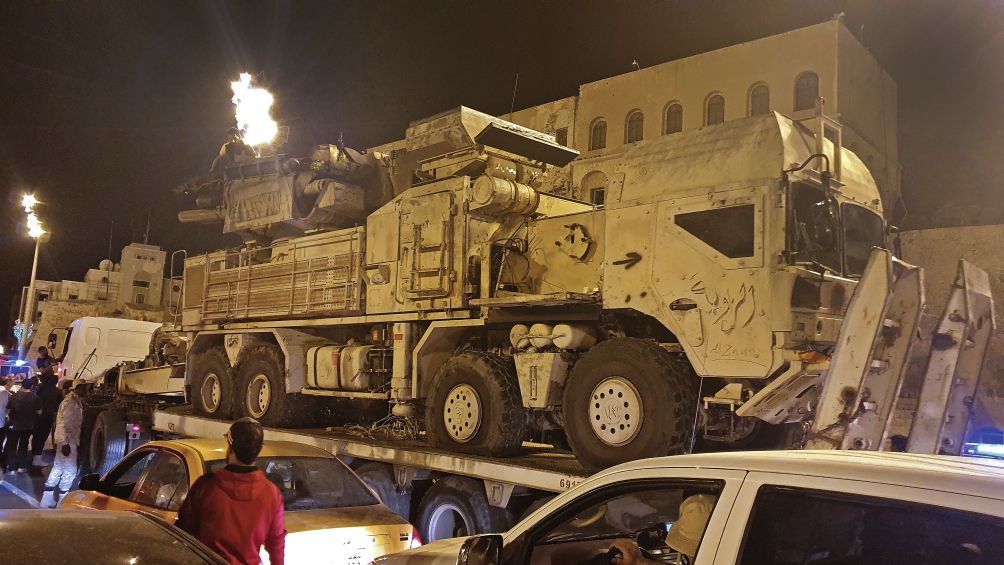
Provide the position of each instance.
(442, 493)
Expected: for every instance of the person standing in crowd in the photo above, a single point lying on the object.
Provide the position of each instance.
(50, 397)
(237, 509)
(5, 395)
(45, 362)
(69, 419)
(25, 408)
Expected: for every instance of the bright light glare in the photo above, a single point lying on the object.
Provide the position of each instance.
(337, 545)
(28, 201)
(34, 226)
(990, 449)
(252, 112)
(20, 362)
(2, 350)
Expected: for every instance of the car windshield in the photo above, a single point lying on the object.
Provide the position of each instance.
(815, 238)
(311, 483)
(863, 230)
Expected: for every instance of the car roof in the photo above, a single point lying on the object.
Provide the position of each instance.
(212, 449)
(962, 475)
(50, 534)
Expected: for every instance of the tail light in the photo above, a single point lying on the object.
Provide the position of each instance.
(416, 540)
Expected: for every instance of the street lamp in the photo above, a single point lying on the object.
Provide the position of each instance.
(35, 230)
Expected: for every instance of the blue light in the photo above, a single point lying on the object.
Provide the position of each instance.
(20, 362)
(995, 449)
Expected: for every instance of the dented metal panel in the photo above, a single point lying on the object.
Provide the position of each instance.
(952, 377)
(865, 373)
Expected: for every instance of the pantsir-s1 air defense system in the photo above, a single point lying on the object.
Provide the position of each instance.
(705, 296)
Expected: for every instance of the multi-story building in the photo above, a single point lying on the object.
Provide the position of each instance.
(133, 288)
(789, 73)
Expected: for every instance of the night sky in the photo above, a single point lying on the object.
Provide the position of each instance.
(104, 106)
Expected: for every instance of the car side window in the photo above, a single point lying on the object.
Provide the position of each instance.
(165, 484)
(797, 526)
(667, 520)
(121, 480)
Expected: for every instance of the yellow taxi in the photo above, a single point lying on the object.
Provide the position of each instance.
(331, 515)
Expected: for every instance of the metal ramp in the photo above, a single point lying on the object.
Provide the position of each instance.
(862, 383)
(958, 348)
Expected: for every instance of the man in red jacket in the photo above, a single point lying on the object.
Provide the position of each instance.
(237, 509)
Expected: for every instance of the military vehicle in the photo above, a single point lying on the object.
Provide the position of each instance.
(704, 299)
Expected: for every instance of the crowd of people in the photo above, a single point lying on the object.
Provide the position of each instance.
(39, 411)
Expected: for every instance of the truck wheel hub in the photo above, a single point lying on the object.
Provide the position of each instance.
(615, 411)
(212, 390)
(462, 413)
(259, 395)
(447, 521)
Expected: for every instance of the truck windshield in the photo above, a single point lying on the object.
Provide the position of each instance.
(310, 483)
(863, 230)
(816, 228)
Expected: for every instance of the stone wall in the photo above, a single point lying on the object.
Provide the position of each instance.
(938, 251)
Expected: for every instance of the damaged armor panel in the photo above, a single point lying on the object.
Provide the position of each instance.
(561, 256)
(258, 202)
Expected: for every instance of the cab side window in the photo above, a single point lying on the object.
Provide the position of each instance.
(165, 484)
(796, 526)
(123, 478)
(666, 520)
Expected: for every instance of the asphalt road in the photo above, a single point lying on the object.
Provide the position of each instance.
(23, 490)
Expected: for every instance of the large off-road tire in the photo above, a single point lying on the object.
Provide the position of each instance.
(628, 399)
(474, 406)
(380, 477)
(212, 383)
(109, 440)
(261, 389)
(458, 506)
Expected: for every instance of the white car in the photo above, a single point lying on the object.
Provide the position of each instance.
(758, 508)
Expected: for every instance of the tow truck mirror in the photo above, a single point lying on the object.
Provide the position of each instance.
(91, 481)
(481, 550)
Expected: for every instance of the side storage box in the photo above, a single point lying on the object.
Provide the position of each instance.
(314, 275)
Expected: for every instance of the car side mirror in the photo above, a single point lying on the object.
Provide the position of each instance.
(91, 481)
(481, 550)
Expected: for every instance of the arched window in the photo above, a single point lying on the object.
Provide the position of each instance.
(714, 110)
(635, 127)
(806, 91)
(674, 118)
(759, 100)
(598, 135)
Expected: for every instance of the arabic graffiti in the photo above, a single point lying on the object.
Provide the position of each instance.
(730, 351)
(729, 308)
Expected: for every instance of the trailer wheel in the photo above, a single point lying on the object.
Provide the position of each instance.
(261, 388)
(474, 406)
(380, 477)
(212, 383)
(109, 440)
(627, 399)
(457, 506)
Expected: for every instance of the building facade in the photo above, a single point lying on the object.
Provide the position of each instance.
(789, 73)
(133, 288)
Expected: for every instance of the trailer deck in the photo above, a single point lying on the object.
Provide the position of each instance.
(539, 467)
